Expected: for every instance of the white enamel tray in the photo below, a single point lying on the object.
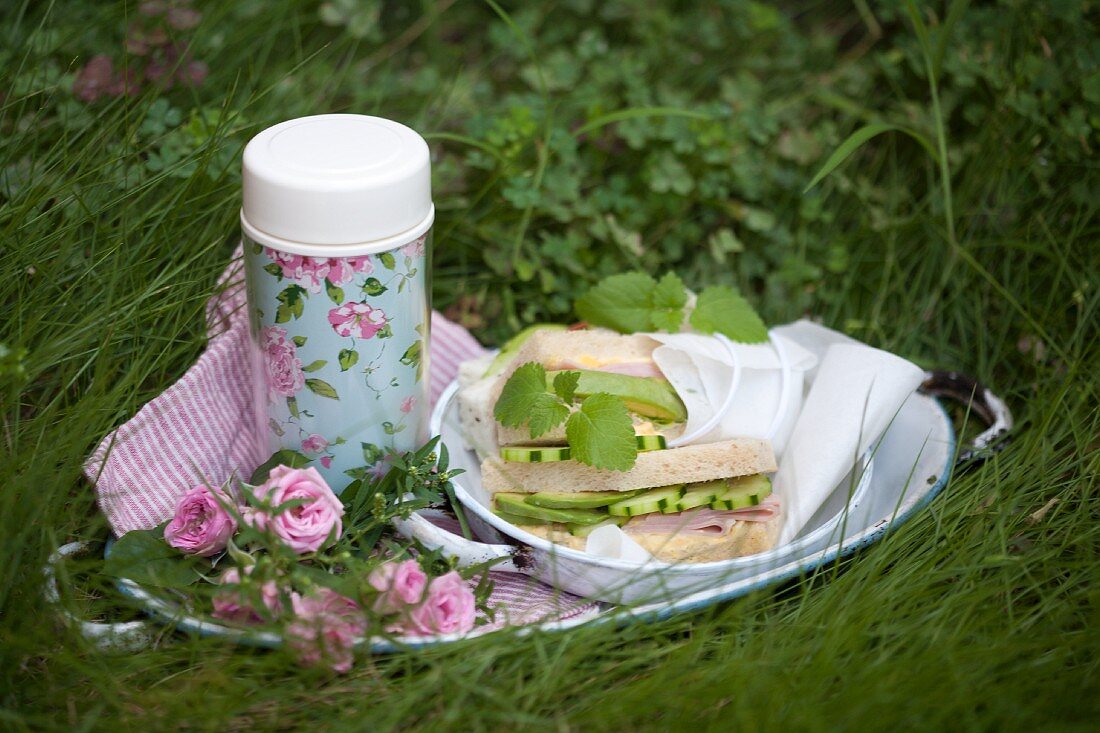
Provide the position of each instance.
(912, 464)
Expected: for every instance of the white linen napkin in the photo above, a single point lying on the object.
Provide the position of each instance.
(610, 541)
(701, 369)
(855, 394)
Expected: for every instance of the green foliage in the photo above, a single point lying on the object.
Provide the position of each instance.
(144, 557)
(722, 310)
(634, 301)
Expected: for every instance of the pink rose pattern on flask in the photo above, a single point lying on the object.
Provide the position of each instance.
(355, 297)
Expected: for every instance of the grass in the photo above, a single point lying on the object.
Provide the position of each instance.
(980, 613)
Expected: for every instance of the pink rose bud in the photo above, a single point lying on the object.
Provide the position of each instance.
(399, 584)
(232, 603)
(310, 525)
(202, 525)
(326, 628)
(448, 609)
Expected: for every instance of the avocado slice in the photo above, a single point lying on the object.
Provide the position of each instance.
(583, 530)
(647, 396)
(512, 346)
(516, 504)
(578, 499)
(520, 521)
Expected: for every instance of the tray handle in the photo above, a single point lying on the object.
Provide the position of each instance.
(980, 400)
(119, 638)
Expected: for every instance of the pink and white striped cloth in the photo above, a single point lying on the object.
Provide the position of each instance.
(198, 431)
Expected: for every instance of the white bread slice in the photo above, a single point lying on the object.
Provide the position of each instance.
(743, 538)
(706, 462)
(588, 348)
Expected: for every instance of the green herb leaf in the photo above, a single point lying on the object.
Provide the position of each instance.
(601, 433)
(525, 400)
(388, 260)
(314, 366)
(321, 388)
(669, 299)
(285, 457)
(144, 557)
(299, 340)
(622, 302)
(565, 385)
(721, 309)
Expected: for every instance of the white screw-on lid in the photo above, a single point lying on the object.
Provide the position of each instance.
(336, 185)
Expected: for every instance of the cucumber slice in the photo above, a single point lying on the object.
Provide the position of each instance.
(583, 530)
(699, 495)
(647, 502)
(532, 454)
(742, 492)
(517, 504)
(518, 520)
(580, 499)
(650, 442)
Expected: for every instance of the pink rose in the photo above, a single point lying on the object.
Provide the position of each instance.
(400, 584)
(308, 526)
(202, 525)
(282, 366)
(234, 604)
(314, 443)
(408, 404)
(357, 320)
(448, 609)
(326, 628)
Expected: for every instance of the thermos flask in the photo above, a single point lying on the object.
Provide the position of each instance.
(336, 227)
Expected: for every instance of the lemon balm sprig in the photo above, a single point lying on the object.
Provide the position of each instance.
(599, 432)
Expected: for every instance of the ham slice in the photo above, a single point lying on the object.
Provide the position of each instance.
(627, 368)
(704, 521)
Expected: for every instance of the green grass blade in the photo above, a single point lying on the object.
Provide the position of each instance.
(954, 14)
(637, 113)
(858, 138)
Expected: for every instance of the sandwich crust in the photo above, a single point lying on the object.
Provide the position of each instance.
(688, 464)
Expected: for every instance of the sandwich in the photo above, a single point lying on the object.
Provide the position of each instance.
(692, 503)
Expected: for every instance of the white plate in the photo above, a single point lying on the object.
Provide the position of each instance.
(876, 498)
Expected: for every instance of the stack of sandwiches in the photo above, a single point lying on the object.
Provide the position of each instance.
(694, 503)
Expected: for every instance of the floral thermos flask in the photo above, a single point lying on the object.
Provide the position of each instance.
(336, 223)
